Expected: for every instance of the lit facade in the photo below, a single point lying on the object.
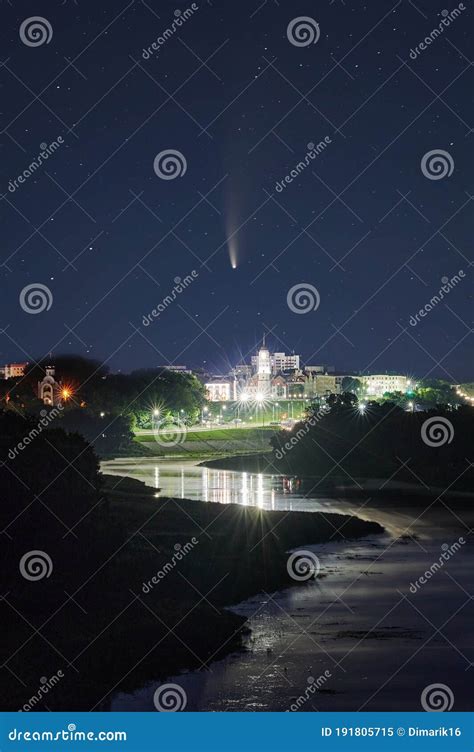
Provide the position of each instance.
(282, 362)
(48, 388)
(220, 391)
(13, 370)
(261, 385)
(376, 385)
(278, 362)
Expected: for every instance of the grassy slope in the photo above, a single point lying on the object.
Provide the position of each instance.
(216, 434)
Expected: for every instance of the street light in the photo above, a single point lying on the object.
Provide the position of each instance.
(275, 404)
(259, 399)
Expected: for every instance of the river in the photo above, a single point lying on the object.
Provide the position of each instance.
(356, 638)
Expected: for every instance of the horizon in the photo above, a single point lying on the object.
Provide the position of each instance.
(43, 362)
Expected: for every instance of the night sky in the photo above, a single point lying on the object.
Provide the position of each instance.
(362, 223)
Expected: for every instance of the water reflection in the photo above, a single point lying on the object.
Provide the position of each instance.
(224, 487)
(185, 479)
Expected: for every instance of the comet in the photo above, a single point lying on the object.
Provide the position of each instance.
(233, 253)
(232, 223)
(232, 247)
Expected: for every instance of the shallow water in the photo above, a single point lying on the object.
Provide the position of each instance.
(357, 632)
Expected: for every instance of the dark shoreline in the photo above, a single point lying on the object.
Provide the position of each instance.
(126, 635)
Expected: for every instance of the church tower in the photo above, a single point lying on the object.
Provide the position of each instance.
(264, 371)
(48, 388)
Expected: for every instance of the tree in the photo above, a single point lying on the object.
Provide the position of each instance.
(432, 392)
(95, 389)
(346, 399)
(351, 384)
(376, 442)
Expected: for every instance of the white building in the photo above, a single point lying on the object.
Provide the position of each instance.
(376, 385)
(48, 388)
(220, 390)
(283, 362)
(278, 362)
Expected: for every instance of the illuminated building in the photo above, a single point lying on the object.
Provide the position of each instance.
(14, 370)
(279, 361)
(376, 385)
(220, 390)
(48, 388)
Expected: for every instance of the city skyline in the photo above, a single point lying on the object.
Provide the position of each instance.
(14, 367)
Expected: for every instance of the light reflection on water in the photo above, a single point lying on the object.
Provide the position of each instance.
(185, 479)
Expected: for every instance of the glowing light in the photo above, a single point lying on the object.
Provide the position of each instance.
(232, 253)
(362, 407)
(66, 393)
